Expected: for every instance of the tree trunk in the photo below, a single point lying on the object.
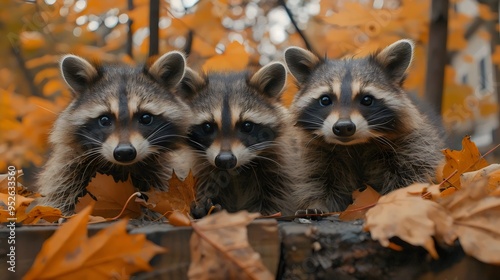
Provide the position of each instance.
(437, 54)
(154, 18)
(129, 44)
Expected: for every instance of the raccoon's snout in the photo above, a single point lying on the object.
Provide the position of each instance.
(344, 128)
(124, 153)
(225, 160)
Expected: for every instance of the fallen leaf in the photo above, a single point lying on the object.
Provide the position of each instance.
(14, 204)
(459, 162)
(110, 197)
(20, 189)
(69, 253)
(362, 201)
(411, 218)
(39, 212)
(179, 196)
(469, 214)
(220, 248)
(178, 218)
(475, 213)
(491, 172)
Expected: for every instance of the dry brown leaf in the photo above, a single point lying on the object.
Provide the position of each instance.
(177, 218)
(459, 162)
(69, 253)
(179, 196)
(411, 218)
(476, 216)
(469, 214)
(220, 249)
(110, 196)
(492, 172)
(20, 189)
(362, 201)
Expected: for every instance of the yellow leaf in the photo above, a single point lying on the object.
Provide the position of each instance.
(52, 87)
(46, 74)
(234, 58)
(351, 14)
(140, 17)
(32, 40)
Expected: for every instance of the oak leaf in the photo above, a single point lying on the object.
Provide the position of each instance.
(179, 196)
(111, 253)
(220, 248)
(362, 201)
(110, 197)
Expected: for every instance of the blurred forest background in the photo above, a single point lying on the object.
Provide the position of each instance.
(234, 35)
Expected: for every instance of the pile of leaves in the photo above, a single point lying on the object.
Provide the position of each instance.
(465, 206)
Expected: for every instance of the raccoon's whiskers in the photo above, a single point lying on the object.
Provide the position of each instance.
(269, 159)
(263, 145)
(158, 129)
(384, 141)
(90, 138)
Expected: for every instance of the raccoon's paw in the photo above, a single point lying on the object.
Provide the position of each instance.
(313, 214)
(200, 209)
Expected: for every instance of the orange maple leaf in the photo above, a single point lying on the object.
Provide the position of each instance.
(459, 162)
(112, 252)
(362, 201)
(179, 196)
(110, 197)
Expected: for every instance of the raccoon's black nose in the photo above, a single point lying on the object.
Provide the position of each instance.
(225, 160)
(344, 128)
(124, 153)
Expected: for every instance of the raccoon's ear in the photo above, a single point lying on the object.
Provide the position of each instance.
(300, 63)
(191, 83)
(270, 79)
(169, 69)
(396, 59)
(77, 72)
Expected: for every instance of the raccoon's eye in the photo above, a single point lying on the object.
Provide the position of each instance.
(325, 100)
(104, 121)
(146, 119)
(247, 127)
(208, 128)
(367, 100)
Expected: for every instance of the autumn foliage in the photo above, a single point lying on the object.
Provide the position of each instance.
(227, 35)
(217, 35)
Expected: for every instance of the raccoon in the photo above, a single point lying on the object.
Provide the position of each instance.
(242, 138)
(122, 121)
(360, 127)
